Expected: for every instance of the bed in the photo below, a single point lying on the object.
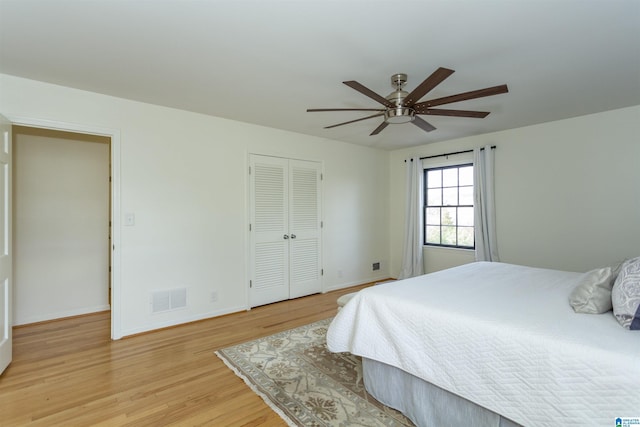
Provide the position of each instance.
(491, 344)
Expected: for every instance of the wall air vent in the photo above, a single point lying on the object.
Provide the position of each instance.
(168, 300)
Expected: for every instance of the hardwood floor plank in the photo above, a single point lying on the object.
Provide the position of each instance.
(69, 372)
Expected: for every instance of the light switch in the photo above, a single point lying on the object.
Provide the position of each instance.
(129, 219)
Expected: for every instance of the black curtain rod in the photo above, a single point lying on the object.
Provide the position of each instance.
(451, 154)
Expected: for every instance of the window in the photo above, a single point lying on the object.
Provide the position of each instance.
(448, 206)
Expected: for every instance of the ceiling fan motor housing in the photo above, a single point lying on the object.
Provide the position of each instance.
(398, 114)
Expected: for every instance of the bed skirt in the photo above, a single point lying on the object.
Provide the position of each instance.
(424, 403)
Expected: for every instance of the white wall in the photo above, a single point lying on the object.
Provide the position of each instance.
(566, 196)
(61, 225)
(184, 176)
(566, 192)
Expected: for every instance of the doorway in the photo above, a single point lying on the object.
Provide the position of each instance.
(61, 207)
(115, 254)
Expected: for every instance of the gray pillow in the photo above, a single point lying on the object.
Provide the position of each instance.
(615, 270)
(592, 294)
(625, 295)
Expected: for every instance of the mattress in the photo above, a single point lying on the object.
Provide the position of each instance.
(503, 337)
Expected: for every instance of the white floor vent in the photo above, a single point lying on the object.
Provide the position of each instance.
(168, 300)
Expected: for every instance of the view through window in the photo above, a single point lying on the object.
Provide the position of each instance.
(448, 206)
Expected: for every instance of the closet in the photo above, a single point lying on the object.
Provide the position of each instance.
(285, 229)
(61, 224)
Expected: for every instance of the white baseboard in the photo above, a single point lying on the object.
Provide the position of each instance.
(61, 314)
(182, 320)
(355, 283)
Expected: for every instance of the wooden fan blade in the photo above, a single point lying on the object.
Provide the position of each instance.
(423, 124)
(427, 85)
(480, 93)
(453, 113)
(315, 110)
(353, 121)
(368, 92)
(379, 128)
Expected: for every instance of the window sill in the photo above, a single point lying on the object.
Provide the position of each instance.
(447, 248)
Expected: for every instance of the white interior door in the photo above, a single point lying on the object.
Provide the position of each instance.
(6, 320)
(305, 277)
(269, 230)
(285, 229)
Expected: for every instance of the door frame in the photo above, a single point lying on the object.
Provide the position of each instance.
(114, 134)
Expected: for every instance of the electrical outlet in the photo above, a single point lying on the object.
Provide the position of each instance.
(214, 296)
(376, 266)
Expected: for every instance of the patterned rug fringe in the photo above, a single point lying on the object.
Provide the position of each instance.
(305, 384)
(264, 397)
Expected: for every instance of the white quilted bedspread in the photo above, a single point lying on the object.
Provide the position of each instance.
(503, 336)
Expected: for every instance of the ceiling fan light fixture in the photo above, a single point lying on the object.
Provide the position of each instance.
(399, 115)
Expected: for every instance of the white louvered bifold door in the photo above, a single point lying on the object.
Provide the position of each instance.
(285, 229)
(304, 226)
(269, 230)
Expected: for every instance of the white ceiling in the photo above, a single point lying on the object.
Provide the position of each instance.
(267, 61)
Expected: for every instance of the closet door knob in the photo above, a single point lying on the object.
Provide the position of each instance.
(285, 237)
(293, 236)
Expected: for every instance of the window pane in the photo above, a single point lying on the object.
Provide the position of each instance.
(434, 197)
(466, 175)
(450, 177)
(448, 235)
(466, 196)
(450, 196)
(433, 234)
(433, 216)
(465, 216)
(434, 178)
(449, 216)
(465, 236)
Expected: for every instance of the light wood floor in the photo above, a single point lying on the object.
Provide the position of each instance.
(69, 372)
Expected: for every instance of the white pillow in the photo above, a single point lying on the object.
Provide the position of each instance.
(625, 295)
(592, 294)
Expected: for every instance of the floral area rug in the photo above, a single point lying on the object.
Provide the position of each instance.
(305, 383)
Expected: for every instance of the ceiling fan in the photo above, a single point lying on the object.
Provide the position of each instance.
(403, 107)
